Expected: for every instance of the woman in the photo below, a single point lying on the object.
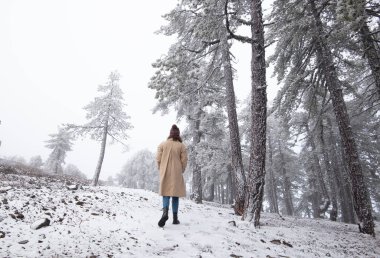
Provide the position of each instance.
(171, 160)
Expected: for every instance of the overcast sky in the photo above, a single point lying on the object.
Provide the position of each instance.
(53, 56)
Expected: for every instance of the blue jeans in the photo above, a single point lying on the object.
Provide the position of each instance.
(175, 203)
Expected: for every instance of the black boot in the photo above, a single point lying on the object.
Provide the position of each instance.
(164, 217)
(175, 218)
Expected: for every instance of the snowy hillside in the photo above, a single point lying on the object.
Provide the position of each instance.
(119, 222)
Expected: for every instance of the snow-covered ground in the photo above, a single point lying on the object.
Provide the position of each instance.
(120, 222)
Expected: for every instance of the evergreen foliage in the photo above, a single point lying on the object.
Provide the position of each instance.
(106, 118)
(60, 143)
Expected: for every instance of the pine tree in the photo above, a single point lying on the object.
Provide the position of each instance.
(305, 58)
(202, 36)
(106, 117)
(140, 172)
(36, 161)
(357, 16)
(256, 171)
(60, 143)
(72, 170)
(271, 185)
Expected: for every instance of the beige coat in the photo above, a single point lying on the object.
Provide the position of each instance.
(172, 160)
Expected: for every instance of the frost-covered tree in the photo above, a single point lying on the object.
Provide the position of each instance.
(258, 112)
(73, 170)
(17, 159)
(140, 172)
(271, 185)
(60, 143)
(186, 85)
(36, 161)
(306, 54)
(282, 164)
(359, 21)
(366, 124)
(106, 118)
(201, 35)
(110, 181)
(212, 154)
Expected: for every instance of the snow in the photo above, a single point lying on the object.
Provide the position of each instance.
(120, 222)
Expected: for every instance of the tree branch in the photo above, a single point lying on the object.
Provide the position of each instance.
(237, 37)
(74, 127)
(117, 140)
(205, 45)
(242, 21)
(372, 13)
(270, 43)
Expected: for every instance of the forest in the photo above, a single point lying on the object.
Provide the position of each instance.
(278, 106)
(314, 151)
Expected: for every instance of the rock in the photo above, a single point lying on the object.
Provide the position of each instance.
(23, 242)
(5, 189)
(279, 242)
(79, 203)
(2, 234)
(5, 201)
(276, 242)
(232, 222)
(286, 243)
(72, 187)
(20, 216)
(40, 223)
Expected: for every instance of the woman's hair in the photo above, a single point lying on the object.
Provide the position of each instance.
(174, 134)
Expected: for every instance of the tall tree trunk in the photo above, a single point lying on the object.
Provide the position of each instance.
(318, 170)
(101, 155)
(230, 185)
(319, 178)
(273, 204)
(372, 53)
(342, 184)
(314, 196)
(57, 164)
(208, 194)
(239, 179)
(223, 192)
(330, 175)
(197, 172)
(256, 175)
(362, 202)
(347, 180)
(287, 185)
(212, 191)
(217, 193)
